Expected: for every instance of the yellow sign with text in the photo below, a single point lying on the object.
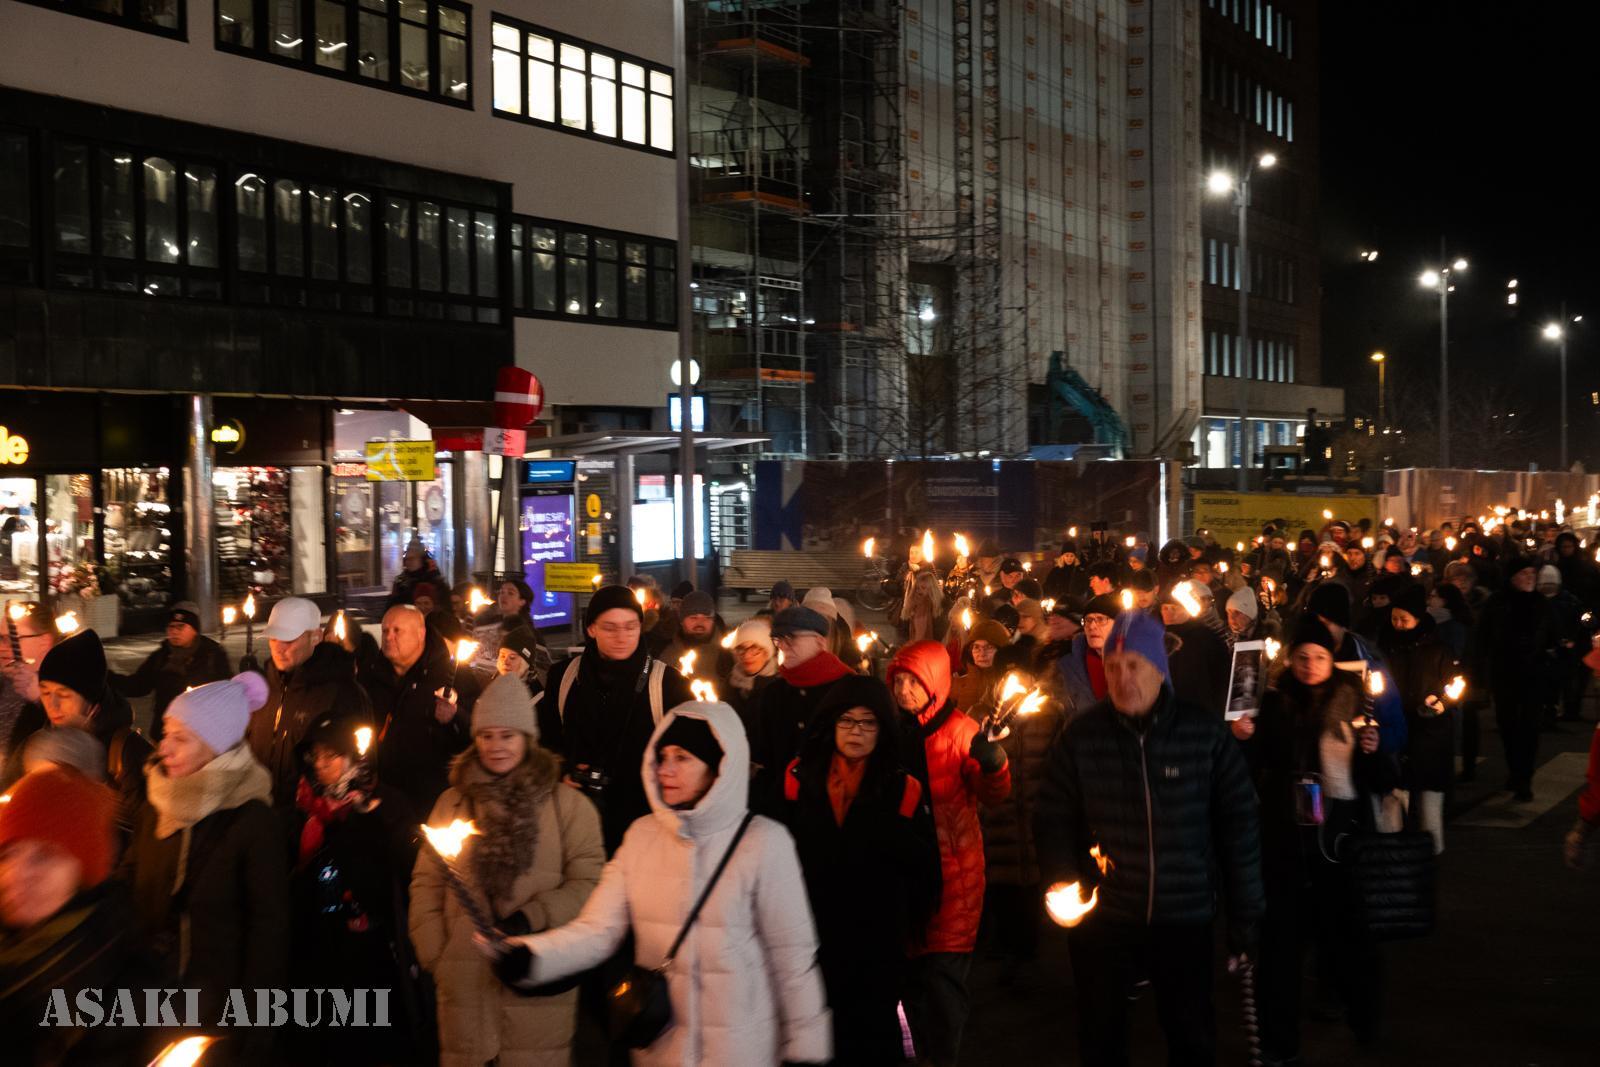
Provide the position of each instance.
(13, 448)
(400, 461)
(1235, 517)
(571, 577)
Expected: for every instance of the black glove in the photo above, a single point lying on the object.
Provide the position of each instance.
(514, 925)
(990, 756)
(513, 964)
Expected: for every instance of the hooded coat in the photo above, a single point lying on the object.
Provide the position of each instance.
(872, 877)
(936, 744)
(745, 986)
(414, 747)
(480, 1020)
(208, 871)
(1422, 666)
(788, 706)
(325, 684)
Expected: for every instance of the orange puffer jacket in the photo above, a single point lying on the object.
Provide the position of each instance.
(956, 785)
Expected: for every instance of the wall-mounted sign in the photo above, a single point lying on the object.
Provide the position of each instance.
(542, 471)
(13, 447)
(570, 577)
(501, 441)
(591, 505)
(399, 461)
(228, 436)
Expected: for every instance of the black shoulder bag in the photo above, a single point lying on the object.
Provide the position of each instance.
(640, 1006)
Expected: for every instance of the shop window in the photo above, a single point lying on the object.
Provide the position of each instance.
(420, 47)
(16, 207)
(138, 536)
(258, 517)
(19, 538)
(568, 84)
(164, 17)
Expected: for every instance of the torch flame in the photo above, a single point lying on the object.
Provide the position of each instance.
(1011, 687)
(703, 690)
(1048, 604)
(185, 1053)
(477, 600)
(67, 624)
(448, 841)
(1028, 566)
(863, 643)
(1327, 561)
(1183, 593)
(1272, 647)
(727, 642)
(1130, 541)
(988, 590)
(1375, 683)
(16, 610)
(1031, 703)
(1456, 688)
(1101, 860)
(1416, 568)
(250, 605)
(1127, 600)
(1326, 513)
(363, 739)
(1267, 586)
(962, 548)
(686, 662)
(1367, 543)
(229, 615)
(1238, 546)
(1222, 566)
(642, 597)
(1072, 531)
(966, 618)
(338, 626)
(1064, 901)
(594, 579)
(466, 648)
(927, 546)
(868, 545)
(1449, 544)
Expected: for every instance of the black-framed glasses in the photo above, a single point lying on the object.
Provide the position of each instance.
(865, 726)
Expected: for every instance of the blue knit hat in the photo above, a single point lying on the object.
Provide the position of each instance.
(1136, 632)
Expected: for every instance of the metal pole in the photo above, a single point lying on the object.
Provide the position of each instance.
(1564, 465)
(199, 519)
(1444, 358)
(510, 516)
(1383, 442)
(680, 51)
(1244, 368)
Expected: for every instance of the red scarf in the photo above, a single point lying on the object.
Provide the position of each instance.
(320, 811)
(844, 782)
(1096, 666)
(822, 669)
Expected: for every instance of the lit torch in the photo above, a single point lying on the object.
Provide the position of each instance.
(447, 842)
(363, 739)
(1072, 531)
(686, 663)
(927, 547)
(1449, 544)
(1367, 543)
(1127, 600)
(1015, 699)
(477, 600)
(185, 1053)
(642, 597)
(1456, 688)
(1327, 514)
(1183, 593)
(1130, 541)
(703, 691)
(1066, 904)
(727, 641)
(1047, 605)
(338, 626)
(1272, 648)
(248, 663)
(1375, 684)
(1238, 546)
(868, 545)
(966, 619)
(67, 624)
(963, 550)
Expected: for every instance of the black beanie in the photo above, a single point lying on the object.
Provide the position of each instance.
(1332, 602)
(612, 596)
(1310, 631)
(694, 736)
(79, 663)
(1413, 600)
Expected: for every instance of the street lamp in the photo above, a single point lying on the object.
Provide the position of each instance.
(1557, 331)
(1379, 358)
(1440, 280)
(1219, 183)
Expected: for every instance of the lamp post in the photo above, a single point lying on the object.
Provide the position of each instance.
(1440, 280)
(1557, 331)
(1380, 359)
(1218, 183)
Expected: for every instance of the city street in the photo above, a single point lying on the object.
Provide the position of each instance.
(1507, 980)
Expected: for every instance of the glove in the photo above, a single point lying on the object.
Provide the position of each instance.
(514, 963)
(1575, 845)
(990, 756)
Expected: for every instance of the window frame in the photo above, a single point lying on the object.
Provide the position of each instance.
(307, 61)
(521, 298)
(618, 58)
(180, 32)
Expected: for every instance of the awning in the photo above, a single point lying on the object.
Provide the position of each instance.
(637, 442)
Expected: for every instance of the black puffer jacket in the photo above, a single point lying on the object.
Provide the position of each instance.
(1168, 799)
(168, 671)
(414, 747)
(1422, 667)
(323, 685)
(1008, 825)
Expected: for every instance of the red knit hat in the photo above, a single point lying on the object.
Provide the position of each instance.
(64, 808)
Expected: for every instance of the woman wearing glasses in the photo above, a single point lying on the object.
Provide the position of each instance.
(754, 665)
(865, 836)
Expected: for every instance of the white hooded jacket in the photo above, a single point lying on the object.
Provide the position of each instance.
(745, 986)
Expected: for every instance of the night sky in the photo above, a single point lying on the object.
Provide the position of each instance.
(1475, 121)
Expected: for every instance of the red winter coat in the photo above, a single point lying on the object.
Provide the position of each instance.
(956, 785)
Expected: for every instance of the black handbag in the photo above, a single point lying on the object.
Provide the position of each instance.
(640, 1006)
(1392, 878)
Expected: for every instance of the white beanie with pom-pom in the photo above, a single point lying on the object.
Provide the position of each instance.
(219, 712)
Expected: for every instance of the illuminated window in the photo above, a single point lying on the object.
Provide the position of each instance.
(548, 79)
(562, 270)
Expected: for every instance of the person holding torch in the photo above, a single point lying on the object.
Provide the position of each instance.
(1148, 802)
(1423, 671)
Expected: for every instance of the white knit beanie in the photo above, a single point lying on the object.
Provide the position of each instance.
(1244, 602)
(505, 704)
(219, 712)
(820, 600)
(1548, 575)
(754, 631)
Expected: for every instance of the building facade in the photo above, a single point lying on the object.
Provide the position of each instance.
(286, 229)
(1258, 91)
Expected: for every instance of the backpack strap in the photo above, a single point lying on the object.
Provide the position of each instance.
(658, 674)
(568, 678)
(114, 752)
(694, 913)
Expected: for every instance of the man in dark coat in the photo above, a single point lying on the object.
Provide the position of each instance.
(601, 707)
(187, 658)
(1198, 660)
(307, 679)
(1159, 790)
(1515, 650)
(788, 704)
(423, 715)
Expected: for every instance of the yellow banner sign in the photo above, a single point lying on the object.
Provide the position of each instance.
(1235, 517)
(571, 577)
(400, 461)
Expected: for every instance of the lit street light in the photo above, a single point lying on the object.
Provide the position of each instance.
(1440, 280)
(1557, 331)
(1379, 358)
(1219, 183)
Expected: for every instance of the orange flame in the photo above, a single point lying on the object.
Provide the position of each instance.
(1066, 905)
(250, 605)
(1375, 683)
(338, 626)
(1457, 688)
(927, 546)
(1101, 860)
(67, 624)
(477, 600)
(703, 690)
(686, 662)
(363, 739)
(184, 1053)
(229, 615)
(727, 642)
(868, 545)
(1184, 594)
(448, 841)
(466, 648)
(962, 548)
(1127, 600)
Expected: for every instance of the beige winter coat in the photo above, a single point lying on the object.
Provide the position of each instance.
(479, 1018)
(745, 987)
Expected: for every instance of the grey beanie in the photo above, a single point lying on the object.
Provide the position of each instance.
(505, 704)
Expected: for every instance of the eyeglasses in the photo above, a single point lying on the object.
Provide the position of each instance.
(748, 650)
(866, 726)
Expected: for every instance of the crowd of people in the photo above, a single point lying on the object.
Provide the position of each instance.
(778, 842)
